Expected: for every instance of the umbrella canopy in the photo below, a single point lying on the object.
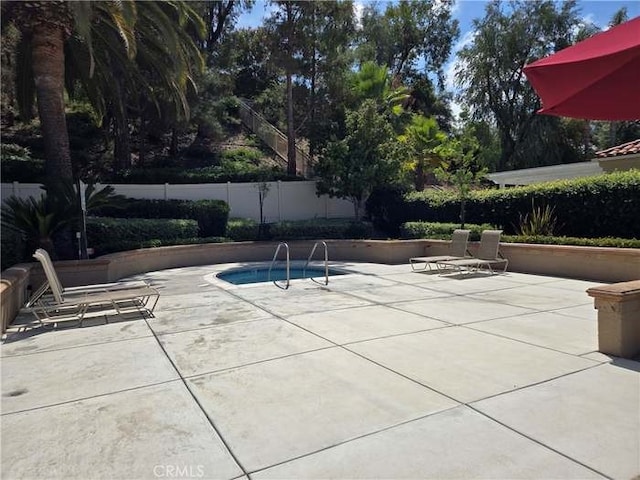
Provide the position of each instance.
(596, 79)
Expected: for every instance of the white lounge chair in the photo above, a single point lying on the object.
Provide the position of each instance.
(457, 250)
(43, 256)
(488, 255)
(64, 306)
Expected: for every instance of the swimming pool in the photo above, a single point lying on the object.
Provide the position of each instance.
(261, 274)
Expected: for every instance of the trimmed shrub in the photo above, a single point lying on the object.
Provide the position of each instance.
(246, 229)
(102, 230)
(586, 242)
(229, 172)
(211, 215)
(124, 245)
(440, 231)
(605, 205)
(241, 229)
(320, 228)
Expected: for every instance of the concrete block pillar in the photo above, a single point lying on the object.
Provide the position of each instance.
(618, 308)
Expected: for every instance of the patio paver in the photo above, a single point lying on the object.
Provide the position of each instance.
(331, 396)
(48, 378)
(592, 416)
(363, 323)
(128, 435)
(210, 349)
(468, 365)
(456, 444)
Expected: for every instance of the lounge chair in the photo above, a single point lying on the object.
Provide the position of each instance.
(43, 257)
(457, 250)
(64, 306)
(488, 255)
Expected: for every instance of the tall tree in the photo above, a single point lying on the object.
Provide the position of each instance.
(491, 77)
(45, 25)
(284, 27)
(329, 29)
(409, 36)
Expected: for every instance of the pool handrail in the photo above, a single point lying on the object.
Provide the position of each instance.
(275, 257)
(326, 262)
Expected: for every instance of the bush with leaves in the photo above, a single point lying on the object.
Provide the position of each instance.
(369, 156)
(320, 229)
(101, 229)
(211, 215)
(442, 231)
(17, 165)
(604, 205)
(124, 245)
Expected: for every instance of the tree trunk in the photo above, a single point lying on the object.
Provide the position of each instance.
(48, 73)
(122, 147)
(420, 177)
(291, 132)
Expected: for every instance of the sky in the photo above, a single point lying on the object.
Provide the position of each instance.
(465, 11)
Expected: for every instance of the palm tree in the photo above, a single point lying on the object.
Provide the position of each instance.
(427, 146)
(45, 25)
(104, 39)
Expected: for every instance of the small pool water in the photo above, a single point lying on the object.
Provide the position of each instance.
(261, 274)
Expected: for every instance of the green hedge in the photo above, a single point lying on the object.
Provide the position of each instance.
(440, 231)
(585, 242)
(102, 230)
(216, 174)
(240, 229)
(124, 245)
(211, 215)
(245, 229)
(320, 228)
(602, 206)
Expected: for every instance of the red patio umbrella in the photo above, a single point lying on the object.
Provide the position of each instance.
(596, 79)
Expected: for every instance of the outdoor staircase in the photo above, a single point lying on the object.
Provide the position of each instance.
(274, 138)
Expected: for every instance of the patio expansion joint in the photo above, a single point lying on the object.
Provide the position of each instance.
(499, 335)
(182, 379)
(352, 439)
(208, 327)
(258, 362)
(90, 397)
(71, 347)
(542, 444)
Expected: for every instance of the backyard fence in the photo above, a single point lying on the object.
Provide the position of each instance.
(284, 200)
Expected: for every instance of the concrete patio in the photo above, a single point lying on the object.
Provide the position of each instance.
(384, 373)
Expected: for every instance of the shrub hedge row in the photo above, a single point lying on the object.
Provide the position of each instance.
(584, 242)
(215, 174)
(605, 205)
(124, 245)
(441, 231)
(239, 229)
(103, 229)
(211, 215)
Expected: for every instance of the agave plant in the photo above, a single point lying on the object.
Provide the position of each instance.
(540, 221)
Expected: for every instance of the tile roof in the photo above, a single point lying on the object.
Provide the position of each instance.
(628, 148)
